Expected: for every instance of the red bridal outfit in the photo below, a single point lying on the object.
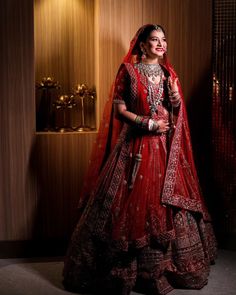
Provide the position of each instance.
(144, 224)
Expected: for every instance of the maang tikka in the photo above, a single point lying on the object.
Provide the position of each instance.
(157, 27)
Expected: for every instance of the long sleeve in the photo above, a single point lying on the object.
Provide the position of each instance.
(122, 85)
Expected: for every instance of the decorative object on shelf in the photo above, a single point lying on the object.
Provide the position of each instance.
(64, 112)
(44, 103)
(48, 82)
(62, 106)
(85, 98)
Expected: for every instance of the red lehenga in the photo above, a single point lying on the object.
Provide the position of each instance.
(144, 225)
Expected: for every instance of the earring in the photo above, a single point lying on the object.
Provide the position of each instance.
(144, 53)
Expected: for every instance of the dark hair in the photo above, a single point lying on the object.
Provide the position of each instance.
(144, 35)
(147, 30)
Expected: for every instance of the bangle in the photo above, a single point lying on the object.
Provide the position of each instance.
(174, 95)
(142, 122)
(138, 120)
(150, 124)
(176, 104)
(175, 98)
(153, 125)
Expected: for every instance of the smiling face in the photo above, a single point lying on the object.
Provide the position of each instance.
(155, 45)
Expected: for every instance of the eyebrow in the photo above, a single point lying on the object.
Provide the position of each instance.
(158, 37)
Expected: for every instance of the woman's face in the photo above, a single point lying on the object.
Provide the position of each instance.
(155, 45)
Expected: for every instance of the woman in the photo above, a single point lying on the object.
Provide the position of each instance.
(144, 224)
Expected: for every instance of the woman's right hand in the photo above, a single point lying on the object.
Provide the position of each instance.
(163, 126)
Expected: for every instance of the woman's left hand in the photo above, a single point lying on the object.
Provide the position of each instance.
(174, 92)
(173, 84)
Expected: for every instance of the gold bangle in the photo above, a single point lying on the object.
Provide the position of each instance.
(138, 120)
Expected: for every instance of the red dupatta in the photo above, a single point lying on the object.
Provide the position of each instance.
(180, 152)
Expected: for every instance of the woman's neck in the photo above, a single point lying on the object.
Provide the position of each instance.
(150, 60)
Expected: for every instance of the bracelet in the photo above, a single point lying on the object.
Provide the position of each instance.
(150, 124)
(175, 105)
(153, 125)
(138, 120)
(175, 94)
(142, 122)
(175, 98)
(146, 123)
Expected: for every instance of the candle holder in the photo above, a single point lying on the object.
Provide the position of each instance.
(44, 115)
(84, 96)
(62, 106)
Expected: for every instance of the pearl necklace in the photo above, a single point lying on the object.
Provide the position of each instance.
(149, 70)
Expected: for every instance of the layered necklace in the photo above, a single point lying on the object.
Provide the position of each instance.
(149, 70)
(155, 91)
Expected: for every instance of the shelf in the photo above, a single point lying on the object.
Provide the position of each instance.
(65, 133)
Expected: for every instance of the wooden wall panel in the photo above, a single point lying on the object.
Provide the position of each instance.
(58, 164)
(117, 22)
(17, 194)
(64, 41)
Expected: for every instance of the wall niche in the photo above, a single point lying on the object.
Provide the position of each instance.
(64, 65)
